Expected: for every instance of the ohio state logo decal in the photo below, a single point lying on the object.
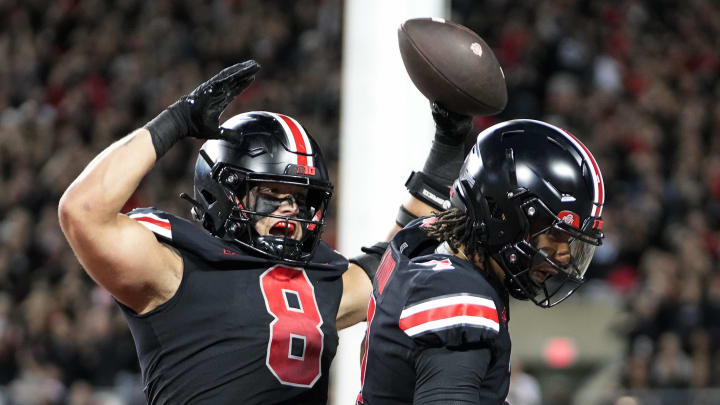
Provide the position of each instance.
(570, 218)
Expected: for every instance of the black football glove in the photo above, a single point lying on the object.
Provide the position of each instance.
(197, 115)
(451, 128)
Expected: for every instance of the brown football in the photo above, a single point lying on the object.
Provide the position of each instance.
(453, 66)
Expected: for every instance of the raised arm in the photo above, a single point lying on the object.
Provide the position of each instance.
(428, 190)
(119, 254)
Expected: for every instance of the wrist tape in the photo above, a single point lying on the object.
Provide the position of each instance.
(166, 129)
(429, 191)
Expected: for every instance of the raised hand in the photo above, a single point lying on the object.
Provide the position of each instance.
(198, 113)
(451, 128)
(209, 100)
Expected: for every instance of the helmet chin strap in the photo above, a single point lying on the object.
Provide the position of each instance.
(550, 292)
(492, 273)
(511, 282)
(280, 246)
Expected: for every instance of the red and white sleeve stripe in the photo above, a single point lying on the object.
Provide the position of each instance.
(447, 312)
(160, 226)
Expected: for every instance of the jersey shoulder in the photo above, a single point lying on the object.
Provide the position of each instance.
(187, 236)
(327, 258)
(413, 240)
(155, 220)
(449, 303)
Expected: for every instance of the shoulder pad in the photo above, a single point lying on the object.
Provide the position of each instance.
(326, 258)
(187, 236)
(450, 304)
(422, 222)
(412, 240)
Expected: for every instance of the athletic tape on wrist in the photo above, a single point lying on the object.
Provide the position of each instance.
(165, 130)
(422, 187)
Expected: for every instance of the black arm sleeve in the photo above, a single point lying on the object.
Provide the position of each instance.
(450, 377)
(370, 260)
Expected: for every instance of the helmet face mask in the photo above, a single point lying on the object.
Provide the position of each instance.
(531, 269)
(535, 196)
(290, 237)
(261, 193)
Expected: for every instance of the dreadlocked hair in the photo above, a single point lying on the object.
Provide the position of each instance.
(453, 226)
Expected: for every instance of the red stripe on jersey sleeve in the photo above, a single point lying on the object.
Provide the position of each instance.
(448, 311)
(164, 224)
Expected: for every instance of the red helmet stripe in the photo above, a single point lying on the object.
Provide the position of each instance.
(297, 137)
(305, 138)
(302, 144)
(597, 176)
(599, 188)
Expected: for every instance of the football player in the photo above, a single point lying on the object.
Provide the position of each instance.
(244, 311)
(525, 219)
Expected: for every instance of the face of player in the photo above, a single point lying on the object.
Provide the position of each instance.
(556, 245)
(281, 200)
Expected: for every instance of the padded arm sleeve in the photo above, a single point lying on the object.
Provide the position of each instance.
(450, 377)
(370, 259)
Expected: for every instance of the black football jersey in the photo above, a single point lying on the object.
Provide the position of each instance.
(241, 329)
(422, 299)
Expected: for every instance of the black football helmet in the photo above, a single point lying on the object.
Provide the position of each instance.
(524, 178)
(266, 149)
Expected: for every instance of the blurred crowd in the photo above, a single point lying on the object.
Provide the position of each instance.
(636, 80)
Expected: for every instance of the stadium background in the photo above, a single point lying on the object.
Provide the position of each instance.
(636, 80)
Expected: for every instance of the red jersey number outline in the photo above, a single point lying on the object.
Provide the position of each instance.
(303, 323)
